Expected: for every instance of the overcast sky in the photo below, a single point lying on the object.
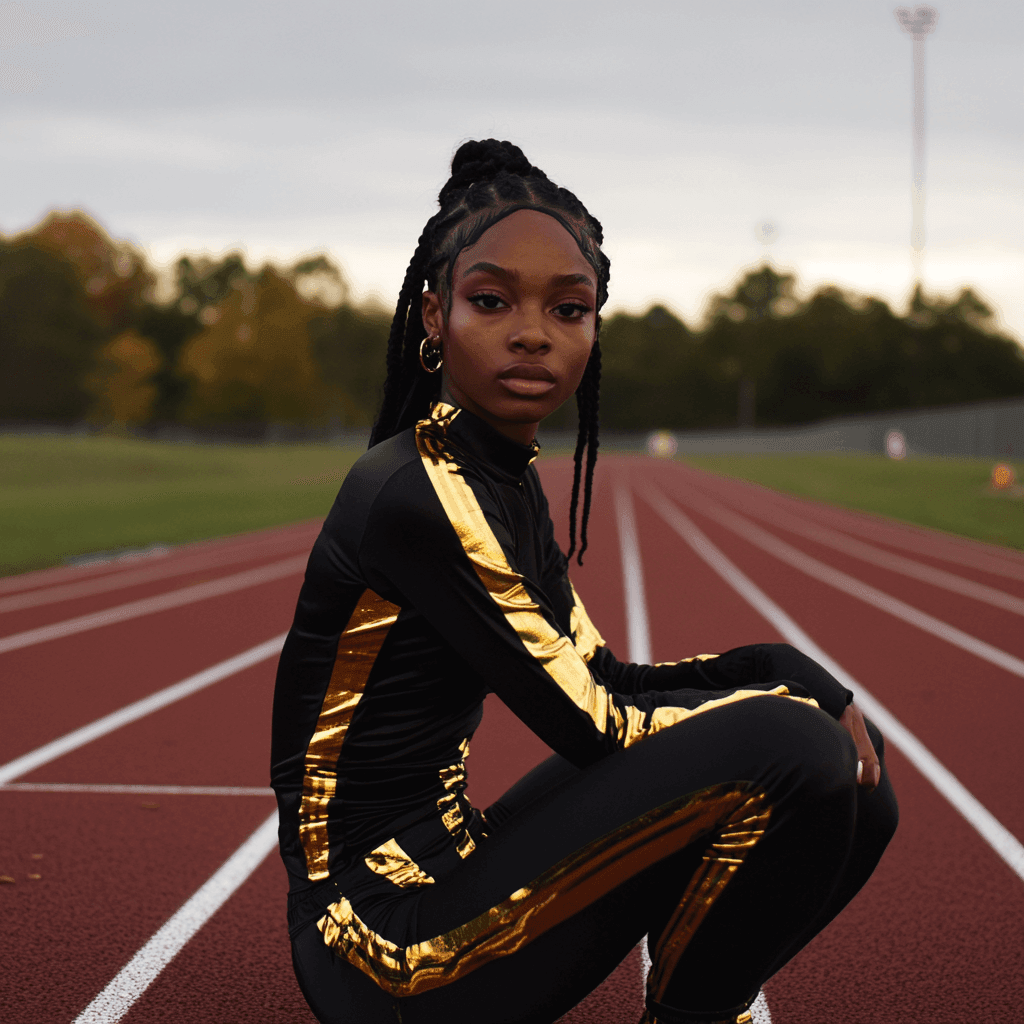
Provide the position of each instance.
(284, 129)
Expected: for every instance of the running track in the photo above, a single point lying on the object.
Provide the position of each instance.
(139, 837)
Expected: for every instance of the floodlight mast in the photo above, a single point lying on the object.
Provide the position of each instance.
(918, 22)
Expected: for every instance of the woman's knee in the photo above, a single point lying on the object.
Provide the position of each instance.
(790, 745)
(817, 755)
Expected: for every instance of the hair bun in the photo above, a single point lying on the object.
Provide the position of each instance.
(484, 160)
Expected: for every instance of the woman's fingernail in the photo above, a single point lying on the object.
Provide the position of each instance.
(860, 770)
(878, 774)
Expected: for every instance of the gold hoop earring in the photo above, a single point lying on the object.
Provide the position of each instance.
(428, 351)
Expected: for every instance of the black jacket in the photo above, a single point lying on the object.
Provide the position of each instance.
(435, 580)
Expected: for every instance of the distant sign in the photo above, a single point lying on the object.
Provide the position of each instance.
(661, 445)
(895, 445)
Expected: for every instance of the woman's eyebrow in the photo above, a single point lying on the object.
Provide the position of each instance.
(559, 281)
(565, 279)
(491, 268)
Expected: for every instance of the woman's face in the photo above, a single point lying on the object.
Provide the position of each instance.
(521, 325)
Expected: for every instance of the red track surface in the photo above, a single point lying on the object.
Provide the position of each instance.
(937, 936)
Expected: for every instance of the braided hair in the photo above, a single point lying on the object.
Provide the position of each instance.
(489, 181)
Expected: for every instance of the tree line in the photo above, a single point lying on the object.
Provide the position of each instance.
(83, 338)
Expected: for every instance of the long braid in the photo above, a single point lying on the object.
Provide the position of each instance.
(407, 316)
(587, 404)
(577, 460)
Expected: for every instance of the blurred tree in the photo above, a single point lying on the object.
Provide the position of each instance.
(201, 283)
(830, 355)
(115, 277)
(252, 362)
(650, 373)
(48, 335)
(350, 346)
(121, 381)
(838, 357)
(741, 333)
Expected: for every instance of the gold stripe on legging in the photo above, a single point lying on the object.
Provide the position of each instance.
(586, 638)
(683, 661)
(549, 899)
(358, 647)
(553, 651)
(722, 859)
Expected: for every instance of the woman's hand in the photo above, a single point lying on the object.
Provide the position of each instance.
(869, 771)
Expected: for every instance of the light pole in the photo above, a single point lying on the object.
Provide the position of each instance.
(918, 22)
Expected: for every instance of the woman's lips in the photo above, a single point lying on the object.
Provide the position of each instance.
(528, 380)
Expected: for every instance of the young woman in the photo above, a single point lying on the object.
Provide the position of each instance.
(726, 806)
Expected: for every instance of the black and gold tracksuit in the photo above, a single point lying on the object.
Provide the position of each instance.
(711, 804)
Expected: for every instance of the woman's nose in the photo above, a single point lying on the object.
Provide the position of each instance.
(529, 337)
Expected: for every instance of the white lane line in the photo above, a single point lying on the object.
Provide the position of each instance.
(136, 790)
(637, 628)
(933, 543)
(1005, 844)
(135, 577)
(877, 556)
(58, 574)
(144, 968)
(159, 603)
(638, 632)
(139, 709)
(865, 592)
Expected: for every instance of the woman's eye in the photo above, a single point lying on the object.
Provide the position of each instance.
(572, 310)
(486, 301)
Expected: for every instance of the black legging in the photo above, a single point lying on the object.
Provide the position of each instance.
(753, 805)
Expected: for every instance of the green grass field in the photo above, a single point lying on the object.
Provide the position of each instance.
(946, 494)
(64, 497)
(61, 497)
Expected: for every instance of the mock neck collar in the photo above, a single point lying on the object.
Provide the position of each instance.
(479, 440)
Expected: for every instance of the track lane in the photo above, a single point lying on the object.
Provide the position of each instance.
(990, 829)
(124, 990)
(981, 560)
(218, 736)
(118, 566)
(67, 683)
(810, 989)
(198, 565)
(885, 558)
(918, 679)
(988, 614)
(160, 602)
(113, 870)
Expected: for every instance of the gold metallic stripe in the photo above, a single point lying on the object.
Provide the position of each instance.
(391, 861)
(726, 852)
(553, 897)
(683, 661)
(358, 647)
(453, 778)
(586, 638)
(553, 651)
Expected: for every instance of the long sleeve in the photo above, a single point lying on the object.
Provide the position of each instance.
(755, 664)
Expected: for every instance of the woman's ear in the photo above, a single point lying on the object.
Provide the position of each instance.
(433, 322)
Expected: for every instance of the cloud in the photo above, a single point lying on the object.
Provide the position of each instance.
(21, 26)
(19, 79)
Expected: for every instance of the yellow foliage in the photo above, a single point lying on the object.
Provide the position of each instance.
(253, 360)
(121, 380)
